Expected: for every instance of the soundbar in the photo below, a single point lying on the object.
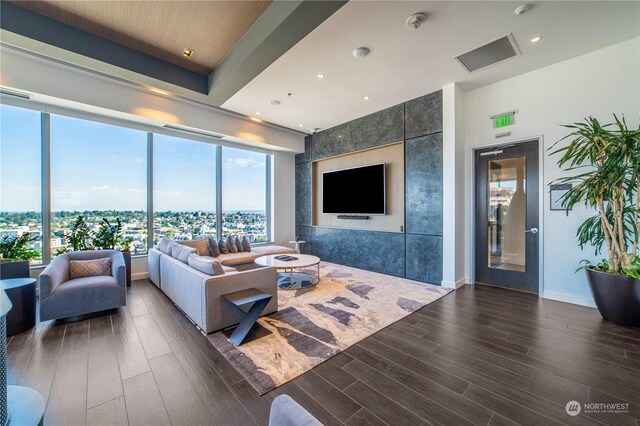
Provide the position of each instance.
(353, 217)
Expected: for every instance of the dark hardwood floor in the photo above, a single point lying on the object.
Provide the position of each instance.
(479, 356)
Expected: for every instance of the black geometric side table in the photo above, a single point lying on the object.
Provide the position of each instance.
(22, 294)
(259, 300)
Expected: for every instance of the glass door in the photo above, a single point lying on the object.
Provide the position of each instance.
(507, 197)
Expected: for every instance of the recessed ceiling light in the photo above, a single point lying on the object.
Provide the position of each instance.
(366, 98)
(257, 112)
(536, 39)
(187, 52)
(275, 102)
(300, 125)
(257, 120)
(320, 75)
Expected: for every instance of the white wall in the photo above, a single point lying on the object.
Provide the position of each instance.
(598, 84)
(283, 198)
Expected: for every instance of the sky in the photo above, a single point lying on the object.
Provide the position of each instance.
(96, 166)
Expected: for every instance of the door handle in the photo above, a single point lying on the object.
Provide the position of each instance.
(532, 230)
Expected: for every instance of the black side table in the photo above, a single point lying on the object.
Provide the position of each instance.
(22, 294)
(240, 299)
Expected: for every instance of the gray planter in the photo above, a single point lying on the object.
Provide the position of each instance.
(617, 297)
(14, 269)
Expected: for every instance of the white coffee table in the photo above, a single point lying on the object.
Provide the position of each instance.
(291, 280)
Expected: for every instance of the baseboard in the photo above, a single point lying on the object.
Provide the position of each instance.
(455, 285)
(139, 276)
(576, 300)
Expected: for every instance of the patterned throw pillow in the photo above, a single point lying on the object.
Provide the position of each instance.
(182, 252)
(89, 268)
(222, 245)
(214, 250)
(205, 265)
(239, 244)
(246, 245)
(231, 243)
(165, 245)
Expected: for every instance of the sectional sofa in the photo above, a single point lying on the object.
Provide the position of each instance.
(197, 294)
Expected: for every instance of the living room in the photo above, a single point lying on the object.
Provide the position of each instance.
(320, 212)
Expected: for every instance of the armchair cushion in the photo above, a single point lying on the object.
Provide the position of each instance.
(89, 268)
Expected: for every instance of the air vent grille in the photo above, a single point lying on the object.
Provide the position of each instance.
(194, 131)
(491, 53)
(14, 93)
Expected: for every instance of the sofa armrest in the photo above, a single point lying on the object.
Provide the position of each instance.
(220, 315)
(118, 268)
(56, 273)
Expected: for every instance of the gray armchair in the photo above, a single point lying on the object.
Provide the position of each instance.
(61, 297)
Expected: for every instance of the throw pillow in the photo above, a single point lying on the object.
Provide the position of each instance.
(89, 268)
(222, 245)
(202, 245)
(165, 245)
(182, 252)
(239, 244)
(231, 243)
(214, 250)
(205, 265)
(246, 245)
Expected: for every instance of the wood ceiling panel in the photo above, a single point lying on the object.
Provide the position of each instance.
(162, 28)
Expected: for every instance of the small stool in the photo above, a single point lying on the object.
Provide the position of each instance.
(239, 299)
(22, 294)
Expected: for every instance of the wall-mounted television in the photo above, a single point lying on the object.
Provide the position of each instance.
(358, 190)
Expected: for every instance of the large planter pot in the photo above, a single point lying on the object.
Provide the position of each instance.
(14, 269)
(127, 263)
(617, 297)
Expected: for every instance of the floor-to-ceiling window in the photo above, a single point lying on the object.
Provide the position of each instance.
(244, 193)
(98, 171)
(55, 168)
(184, 188)
(20, 175)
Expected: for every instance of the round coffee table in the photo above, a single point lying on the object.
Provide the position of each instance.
(291, 280)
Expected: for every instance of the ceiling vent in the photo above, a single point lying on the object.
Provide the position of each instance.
(491, 53)
(192, 130)
(14, 93)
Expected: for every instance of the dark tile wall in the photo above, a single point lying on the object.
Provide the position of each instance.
(423, 185)
(423, 115)
(303, 193)
(419, 123)
(424, 258)
(373, 251)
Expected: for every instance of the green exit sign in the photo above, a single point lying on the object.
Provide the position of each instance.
(503, 120)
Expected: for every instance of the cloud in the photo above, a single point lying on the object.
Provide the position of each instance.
(241, 162)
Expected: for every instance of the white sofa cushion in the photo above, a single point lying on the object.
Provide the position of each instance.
(165, 245)
(206, 265)
(182, 252)
(231, 259)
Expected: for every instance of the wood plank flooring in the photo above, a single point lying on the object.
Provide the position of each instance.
(479, 356)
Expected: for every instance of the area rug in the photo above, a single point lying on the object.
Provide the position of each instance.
(316, 323)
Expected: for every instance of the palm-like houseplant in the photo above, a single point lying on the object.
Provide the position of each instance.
(605, 165)
(16, 254)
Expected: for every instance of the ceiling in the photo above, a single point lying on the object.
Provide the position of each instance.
(405, 63)
(162, 29)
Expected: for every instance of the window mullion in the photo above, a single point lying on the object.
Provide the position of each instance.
(46, 186)
(219, 191)
(150, 227)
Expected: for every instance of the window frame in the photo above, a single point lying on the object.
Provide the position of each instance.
(45, 113)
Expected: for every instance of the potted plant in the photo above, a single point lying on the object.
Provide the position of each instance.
(79, 236)
(16, 254)
(605, 162)
(109, 237)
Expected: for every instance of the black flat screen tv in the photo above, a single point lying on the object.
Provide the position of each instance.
(359, 190)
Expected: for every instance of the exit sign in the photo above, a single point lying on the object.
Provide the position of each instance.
(503, 120)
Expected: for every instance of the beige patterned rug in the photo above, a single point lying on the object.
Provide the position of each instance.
(314, 324)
